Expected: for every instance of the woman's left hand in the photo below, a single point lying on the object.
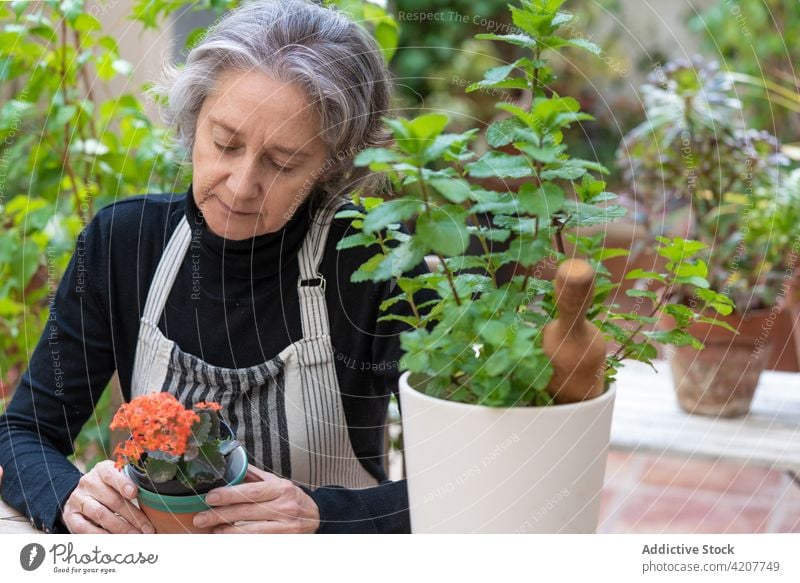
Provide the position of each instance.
(264, 503)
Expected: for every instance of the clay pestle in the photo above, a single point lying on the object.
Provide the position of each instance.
(574, 345)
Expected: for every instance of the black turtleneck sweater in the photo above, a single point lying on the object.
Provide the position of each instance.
(234, 304)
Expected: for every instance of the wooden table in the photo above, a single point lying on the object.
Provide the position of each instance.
(647, 418)
(12, 522)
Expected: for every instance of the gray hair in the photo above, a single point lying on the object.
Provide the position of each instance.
(333, 60)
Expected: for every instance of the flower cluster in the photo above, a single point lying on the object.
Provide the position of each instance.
(157, 423)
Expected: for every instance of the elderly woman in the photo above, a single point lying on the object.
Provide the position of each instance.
(234, 292)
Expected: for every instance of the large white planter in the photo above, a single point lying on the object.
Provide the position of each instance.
(481, 469)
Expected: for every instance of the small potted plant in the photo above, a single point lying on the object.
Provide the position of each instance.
(695, 153)
(176, 455)
(508, 386)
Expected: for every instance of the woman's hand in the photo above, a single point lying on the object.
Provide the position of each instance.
(101, 504)
(264, 503)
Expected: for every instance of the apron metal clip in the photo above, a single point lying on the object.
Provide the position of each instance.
(317, 281)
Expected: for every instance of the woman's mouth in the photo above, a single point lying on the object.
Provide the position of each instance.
(229, 210)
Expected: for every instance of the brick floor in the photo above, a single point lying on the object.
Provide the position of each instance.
(647, 493)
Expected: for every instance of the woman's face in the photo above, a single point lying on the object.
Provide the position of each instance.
(257, 154)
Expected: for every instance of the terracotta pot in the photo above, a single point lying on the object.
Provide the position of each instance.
(477, 469)
(721, 379)
(174, 513)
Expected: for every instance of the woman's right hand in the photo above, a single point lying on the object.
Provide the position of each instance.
(102, 504)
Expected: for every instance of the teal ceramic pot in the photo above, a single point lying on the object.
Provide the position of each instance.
(174, 513)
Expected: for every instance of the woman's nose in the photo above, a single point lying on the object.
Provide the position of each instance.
(245, 180)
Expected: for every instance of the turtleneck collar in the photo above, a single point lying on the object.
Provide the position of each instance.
(257, 257)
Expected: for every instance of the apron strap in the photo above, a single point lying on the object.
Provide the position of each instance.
(311, 285)
(167, 271)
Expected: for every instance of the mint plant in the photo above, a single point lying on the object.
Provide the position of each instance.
(479, 340)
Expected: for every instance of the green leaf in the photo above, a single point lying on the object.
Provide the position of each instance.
(490, 233)
(349, 214)
(465, 262)
(521, 40)
(554, 42)
(356, 240)
(678, 249)
(641, 293)
(18, 6)
(226, 446)
(428, 126)
(85, 22)
(453, 189)
(543, 201)
(498, 363)
(411, 321)
(207, 466)
(159, 470)
(443, 230)
(366, 271)
(390, 212)
(683, 314)
(376, 158)
(544, 154)
(495, 202)
(105, 67)
(693, 280)
(721, 303)
(674, 337)
(564, 172)
(589, 188)
(163, 456)
(65, 114)
(500, 77)
(640, 273)
(494, 332)
(201, 428)
(526, 250)
(611, 252)
(109, 43)
(449, 146)
(535, 25)
(718, 322)
(643, 352)
(500, 165)
(585, 215)
(387, 35)
(697, 269)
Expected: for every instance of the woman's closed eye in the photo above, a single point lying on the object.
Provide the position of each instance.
(283, 168)
(226, 148)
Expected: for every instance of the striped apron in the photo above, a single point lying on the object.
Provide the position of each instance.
(287, 411)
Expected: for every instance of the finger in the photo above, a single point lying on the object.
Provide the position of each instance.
(250, 476)
(116, 479)
(255, 474)
(78, 524)
(103, 517)
(264, 490)
(230, 514)
(259, 527)
(112, 500)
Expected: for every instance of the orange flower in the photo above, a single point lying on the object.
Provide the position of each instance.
(156, 422)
